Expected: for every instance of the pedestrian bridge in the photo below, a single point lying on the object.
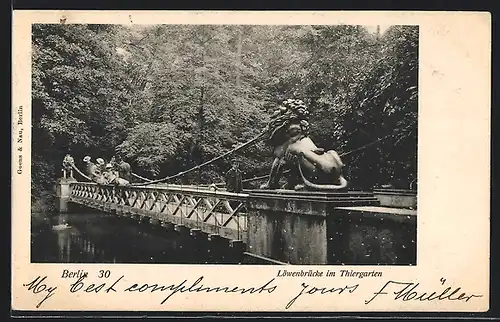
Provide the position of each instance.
(215, 213)
(329, 225)
(279, 226)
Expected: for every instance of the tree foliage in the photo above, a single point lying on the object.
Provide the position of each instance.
(170, 97)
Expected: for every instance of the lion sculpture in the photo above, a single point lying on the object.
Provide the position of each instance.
(310, 167)
(68, 163)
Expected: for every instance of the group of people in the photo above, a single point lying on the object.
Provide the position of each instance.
(118, 172)
(115, 172)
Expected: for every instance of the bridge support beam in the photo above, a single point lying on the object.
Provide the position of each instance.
(236, 250)
(200, 242)
(63, 192)
(218, 248)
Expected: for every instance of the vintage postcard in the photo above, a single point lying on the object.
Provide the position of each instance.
(251, 161)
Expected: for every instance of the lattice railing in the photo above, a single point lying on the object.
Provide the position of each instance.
(218, 212)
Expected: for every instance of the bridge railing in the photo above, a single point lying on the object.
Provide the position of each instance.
(213, 212)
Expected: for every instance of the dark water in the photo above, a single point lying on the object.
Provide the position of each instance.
(105, 238)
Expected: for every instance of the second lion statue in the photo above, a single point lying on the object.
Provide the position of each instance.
(310, 167)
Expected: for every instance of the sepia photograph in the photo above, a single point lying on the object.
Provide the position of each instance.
(224, 144)
(250, 161)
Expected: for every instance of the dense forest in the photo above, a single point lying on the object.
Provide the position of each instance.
(169, 97)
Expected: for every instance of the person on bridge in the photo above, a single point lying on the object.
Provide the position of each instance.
(90, 167)
(123, 168)
(93, 171)
(112, 176)
(109, 174)
(101, 164)
(234, 178)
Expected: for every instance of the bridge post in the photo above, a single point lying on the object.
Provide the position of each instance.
(329, 228)
(63, 192)
(288, 230)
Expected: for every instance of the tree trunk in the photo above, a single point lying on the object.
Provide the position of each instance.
(239, 45)
(201, 121)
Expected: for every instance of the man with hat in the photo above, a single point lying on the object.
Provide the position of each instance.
(90, 167)
(109, 174)
(234, 178)
(93, 171)
(112, 176)
(101, 164)
(123, 168)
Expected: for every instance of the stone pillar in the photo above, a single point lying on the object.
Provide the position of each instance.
(397, 198)
(288, 226)
(63, 191)
(337, 228)
(372, 236)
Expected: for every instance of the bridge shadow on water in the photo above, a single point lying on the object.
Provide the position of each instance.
(94, 237)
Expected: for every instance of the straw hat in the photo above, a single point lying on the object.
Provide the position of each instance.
(100, 161)
(86, 159)
(108, 166)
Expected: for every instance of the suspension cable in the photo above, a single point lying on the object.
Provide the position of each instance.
(149, 181)
(366, 145)
(341, 155)
(255, 139)
(80, 173)
(139, 177)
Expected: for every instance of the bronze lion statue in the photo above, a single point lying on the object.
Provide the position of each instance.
(68, 163)
(310, 167)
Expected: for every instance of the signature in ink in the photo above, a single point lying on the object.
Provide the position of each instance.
(406, 291)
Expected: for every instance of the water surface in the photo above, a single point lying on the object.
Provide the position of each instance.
(105, 238)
